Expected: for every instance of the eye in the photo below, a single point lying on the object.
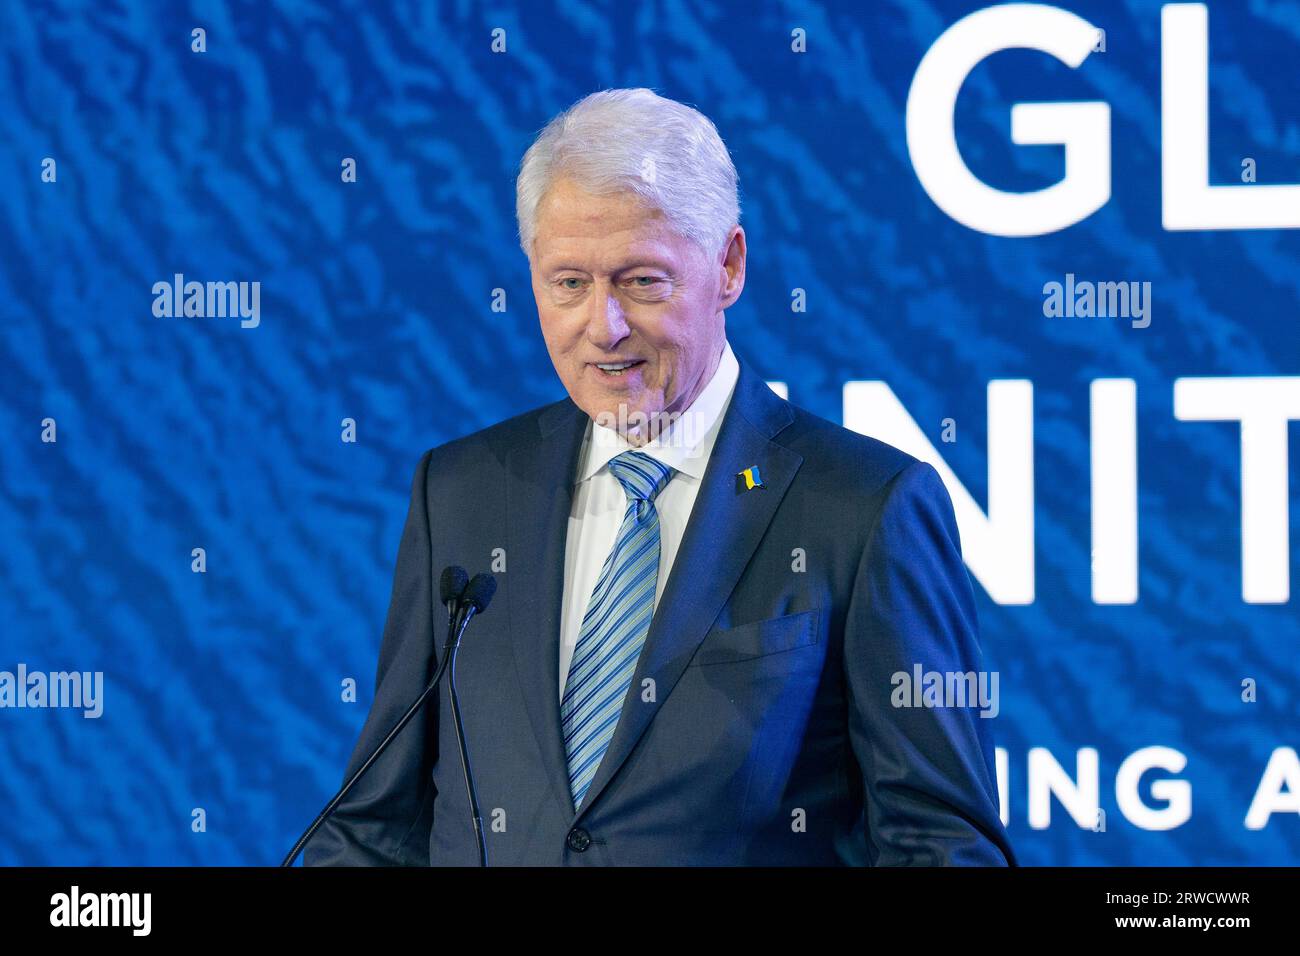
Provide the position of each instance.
(645, 282)
(571, 288)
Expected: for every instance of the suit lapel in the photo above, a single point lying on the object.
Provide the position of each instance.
(724, 529)
(539, 497)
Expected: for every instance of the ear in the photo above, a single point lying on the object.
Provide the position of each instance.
(732, 268)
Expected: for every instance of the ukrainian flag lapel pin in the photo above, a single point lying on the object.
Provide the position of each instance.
(749, 479)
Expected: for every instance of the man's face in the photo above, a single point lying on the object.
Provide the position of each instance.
(614, 285)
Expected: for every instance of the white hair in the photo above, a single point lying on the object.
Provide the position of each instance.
(667, 153)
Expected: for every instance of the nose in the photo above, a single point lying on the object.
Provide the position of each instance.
(606, 323)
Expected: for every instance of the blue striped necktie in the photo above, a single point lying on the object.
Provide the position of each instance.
(615, 624)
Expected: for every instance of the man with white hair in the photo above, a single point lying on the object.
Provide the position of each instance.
(708, 593)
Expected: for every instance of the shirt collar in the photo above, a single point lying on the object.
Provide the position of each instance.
(686, 443)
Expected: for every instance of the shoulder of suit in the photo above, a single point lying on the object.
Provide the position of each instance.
(492, 443)
(859, 462)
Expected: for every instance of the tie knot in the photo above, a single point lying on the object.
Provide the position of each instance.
(641, 476)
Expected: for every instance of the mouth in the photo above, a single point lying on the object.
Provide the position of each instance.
(614, 370)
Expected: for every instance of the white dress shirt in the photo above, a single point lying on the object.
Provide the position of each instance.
(599, 501)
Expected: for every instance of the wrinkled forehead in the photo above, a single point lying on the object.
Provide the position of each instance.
(573, 223)
(567, 208)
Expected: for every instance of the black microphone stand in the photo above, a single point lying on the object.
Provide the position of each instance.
(464, 752)
(456, 627)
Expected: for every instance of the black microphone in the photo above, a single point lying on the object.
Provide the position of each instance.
(450, 589)
(477, 596)
(463, 602)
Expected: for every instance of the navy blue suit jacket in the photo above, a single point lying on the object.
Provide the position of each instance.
(766, 735)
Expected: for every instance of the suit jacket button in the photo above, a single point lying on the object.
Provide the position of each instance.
(578, 840)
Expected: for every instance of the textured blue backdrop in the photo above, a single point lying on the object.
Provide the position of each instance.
(223, 689)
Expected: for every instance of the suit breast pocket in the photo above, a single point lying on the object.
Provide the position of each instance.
(749, 641)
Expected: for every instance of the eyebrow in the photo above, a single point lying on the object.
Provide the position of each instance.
(632, 262)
